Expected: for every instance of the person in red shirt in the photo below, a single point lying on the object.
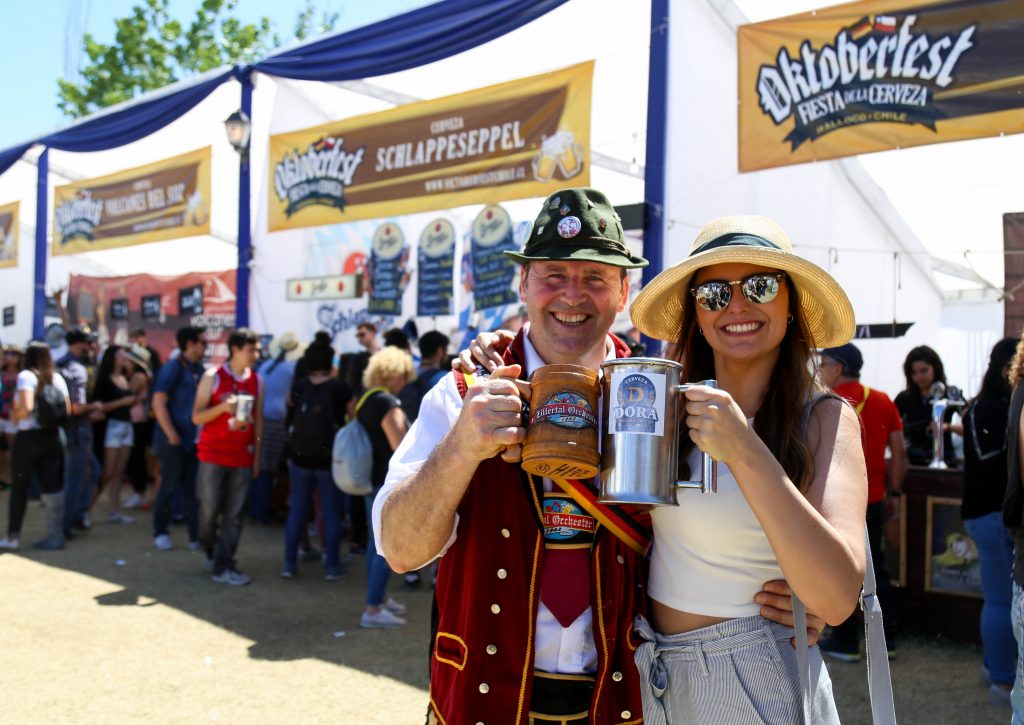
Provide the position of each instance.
(881, 428)
(228, 406)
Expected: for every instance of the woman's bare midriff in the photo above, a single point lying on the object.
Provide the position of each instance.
(667, 620)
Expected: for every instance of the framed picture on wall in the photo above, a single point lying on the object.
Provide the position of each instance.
(894, 540)
(951, 560)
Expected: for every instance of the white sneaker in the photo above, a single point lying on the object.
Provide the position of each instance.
(394, 607)
(133, 501)
(383, 619)
(163, 542)
(85, 520)
(119, 518)
(232, 577)
(12, 544)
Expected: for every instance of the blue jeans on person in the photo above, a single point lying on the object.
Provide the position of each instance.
(77, 475)
(377, 570)
(303, 482)
(995, 551)
(1017, 621)
(178, 468)
(222, 492)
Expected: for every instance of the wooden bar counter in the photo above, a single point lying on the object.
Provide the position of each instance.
(937, 575)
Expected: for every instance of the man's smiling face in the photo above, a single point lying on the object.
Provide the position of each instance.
(572, 306)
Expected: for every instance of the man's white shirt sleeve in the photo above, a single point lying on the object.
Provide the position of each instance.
(439, 410)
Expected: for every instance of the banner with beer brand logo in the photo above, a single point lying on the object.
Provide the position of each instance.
(524, 138)
(877, 75)
(387, 271)
(436, 264)
(9, 235)
(168, 199)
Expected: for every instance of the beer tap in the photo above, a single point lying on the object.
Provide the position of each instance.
(941, 399)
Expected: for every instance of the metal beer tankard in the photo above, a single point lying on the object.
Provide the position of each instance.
(641, 416)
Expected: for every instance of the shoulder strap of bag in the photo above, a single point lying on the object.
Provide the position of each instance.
(366, 395)
(883, 711)
(860, 405)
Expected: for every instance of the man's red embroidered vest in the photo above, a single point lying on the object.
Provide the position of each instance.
(488, 591)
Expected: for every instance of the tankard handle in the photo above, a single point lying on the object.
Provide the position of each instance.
(708, 466)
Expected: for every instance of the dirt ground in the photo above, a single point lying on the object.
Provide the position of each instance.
(112, 631)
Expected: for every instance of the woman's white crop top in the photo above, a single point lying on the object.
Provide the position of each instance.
(710, 554)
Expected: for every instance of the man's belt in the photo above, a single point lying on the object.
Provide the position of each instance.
(560, 698)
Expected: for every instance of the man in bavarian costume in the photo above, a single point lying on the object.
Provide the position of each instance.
(525, 628)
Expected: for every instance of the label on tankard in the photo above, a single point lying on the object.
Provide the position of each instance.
(638, 403)
(566, 409)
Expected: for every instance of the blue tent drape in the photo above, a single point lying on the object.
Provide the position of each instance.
(406, 41)
(120, 126)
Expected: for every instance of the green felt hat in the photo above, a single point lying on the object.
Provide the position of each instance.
(578, 225)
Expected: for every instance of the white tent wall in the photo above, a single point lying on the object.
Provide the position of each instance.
(17, 283)
(833, 211)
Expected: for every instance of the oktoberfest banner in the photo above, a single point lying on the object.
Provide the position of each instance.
(525, 138)
(9, 235)
(876, 75)
(164, 200)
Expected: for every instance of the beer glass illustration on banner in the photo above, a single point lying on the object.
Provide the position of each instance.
(641, 416)
(558, 151)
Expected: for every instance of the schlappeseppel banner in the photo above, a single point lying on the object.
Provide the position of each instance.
(514, 140)
(9, 235)
(163, 200)
(877, 75)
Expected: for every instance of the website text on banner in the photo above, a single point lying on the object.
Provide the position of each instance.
(9, 235)
(877, 75)
(514, 140)
(168, 199)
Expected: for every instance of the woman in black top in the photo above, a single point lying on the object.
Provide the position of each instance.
(984, 488)
(922, 369)
(317, 403)
(115, 396)
(387, 372)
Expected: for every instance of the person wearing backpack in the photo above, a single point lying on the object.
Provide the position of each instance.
(381, 415)
(318, 403)
(41, 407)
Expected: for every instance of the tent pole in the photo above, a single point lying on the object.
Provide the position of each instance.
(42, 204)
(654, 167)
(244, 226)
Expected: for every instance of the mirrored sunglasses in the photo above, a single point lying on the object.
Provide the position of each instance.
(715, 295)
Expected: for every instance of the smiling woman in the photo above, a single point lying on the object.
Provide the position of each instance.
(791, 480)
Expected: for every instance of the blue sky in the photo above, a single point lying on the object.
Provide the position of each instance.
(32, 54)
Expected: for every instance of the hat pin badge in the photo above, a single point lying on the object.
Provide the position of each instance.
(569, 227)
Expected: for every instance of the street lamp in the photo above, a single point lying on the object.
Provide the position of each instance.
(238, 128)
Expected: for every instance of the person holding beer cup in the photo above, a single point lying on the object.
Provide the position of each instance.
(744, 310)
(228, 406)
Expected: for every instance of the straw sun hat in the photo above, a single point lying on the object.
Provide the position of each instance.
(658, 309)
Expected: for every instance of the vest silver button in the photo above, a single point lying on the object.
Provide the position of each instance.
(484, 688)
(505, 533)
(496, 608)
(625, 714)
(617, 676)
(620, 559)
(492, 650)
(502, 573)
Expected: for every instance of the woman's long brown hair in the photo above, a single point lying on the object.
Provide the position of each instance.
(780, 417)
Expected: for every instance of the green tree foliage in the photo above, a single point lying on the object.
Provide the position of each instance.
(151, 49)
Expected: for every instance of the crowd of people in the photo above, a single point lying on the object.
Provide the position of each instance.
(100, 436)
(656, 615)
